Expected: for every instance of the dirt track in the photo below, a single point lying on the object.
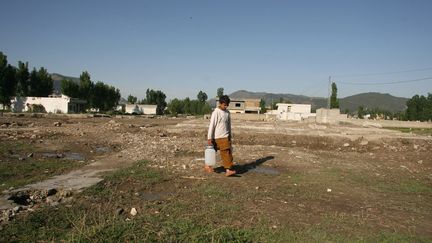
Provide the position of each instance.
(348, 157)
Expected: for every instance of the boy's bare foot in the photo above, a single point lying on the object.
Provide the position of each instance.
(208, 169)
(230, 172)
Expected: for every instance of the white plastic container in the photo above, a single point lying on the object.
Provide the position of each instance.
(210, 156)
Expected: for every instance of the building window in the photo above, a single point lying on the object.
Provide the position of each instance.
(237, 105)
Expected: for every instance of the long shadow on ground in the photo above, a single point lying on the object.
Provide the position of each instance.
(244, 168)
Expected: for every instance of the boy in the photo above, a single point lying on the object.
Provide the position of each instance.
(219, 135)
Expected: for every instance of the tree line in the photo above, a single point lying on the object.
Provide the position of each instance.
(19, 81)
(98, 95)
(419, 108)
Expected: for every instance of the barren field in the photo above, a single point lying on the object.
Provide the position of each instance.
(142, 179)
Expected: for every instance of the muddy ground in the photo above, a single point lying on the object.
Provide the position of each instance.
(352, 180)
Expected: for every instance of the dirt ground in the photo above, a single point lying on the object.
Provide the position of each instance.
(345, 177)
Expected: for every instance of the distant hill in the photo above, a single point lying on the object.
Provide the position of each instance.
(367, 100)
(373, 100)
(57, 78)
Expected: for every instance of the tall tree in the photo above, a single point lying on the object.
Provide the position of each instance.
(220, 92)
(22, 76)
(361, 112)
(262, 106)
(132, 99)
(156, 98)
(70, 88)
(334, 101)
(202, 97)
(40, 83)
(86, 86)
(8, 81)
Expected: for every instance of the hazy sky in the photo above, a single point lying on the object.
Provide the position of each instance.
(182, 47)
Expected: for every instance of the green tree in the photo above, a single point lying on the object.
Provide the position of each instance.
(132, 99)
(156, 98)
(202, 97)
(419, 108)
(85, 86)
(334, 101)
(175, 107)
(361, 112)
(70, 88)
(40, 83)
(186, 106)
(262, 106)
(22, 77)
(220, 92)
(8, 81)
(104, 97)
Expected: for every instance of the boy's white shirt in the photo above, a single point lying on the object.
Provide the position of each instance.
(220, 124)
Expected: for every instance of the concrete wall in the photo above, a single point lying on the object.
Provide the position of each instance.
(248, 117)
(330, 116)
(140, 109)
(51, 104)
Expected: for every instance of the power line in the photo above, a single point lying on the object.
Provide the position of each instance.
(384, 73)
(381, 83)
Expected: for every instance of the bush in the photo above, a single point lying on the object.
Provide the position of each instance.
(36, 108)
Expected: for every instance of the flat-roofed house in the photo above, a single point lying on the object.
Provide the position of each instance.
(52, 104)
(294, 112)
(244, 106)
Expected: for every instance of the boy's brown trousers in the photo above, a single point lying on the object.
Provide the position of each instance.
(224, 145)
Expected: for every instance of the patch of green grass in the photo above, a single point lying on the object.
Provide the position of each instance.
(139, 173)
(420, 131)
(214, 191)
(19, 173)
(14, 146)
(404, 185)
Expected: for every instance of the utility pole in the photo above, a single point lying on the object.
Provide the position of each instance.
(329, 93)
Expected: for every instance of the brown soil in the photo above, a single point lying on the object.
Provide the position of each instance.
(295, 172)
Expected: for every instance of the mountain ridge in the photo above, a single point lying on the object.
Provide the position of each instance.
(351, 103)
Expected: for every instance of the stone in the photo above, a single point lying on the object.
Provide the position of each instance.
(51, 192)
(346, 145)
(119, 211)
(65, 193)
(133, 211)
(57, 124)
(364, 142)
(17, 209)
(30, 155)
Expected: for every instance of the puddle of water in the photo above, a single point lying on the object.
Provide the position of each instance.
(52, 155)
(101, 149)
(67, 155)
(265, 170)
(74, 156)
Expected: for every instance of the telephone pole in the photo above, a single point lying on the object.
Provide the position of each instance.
(329, 93)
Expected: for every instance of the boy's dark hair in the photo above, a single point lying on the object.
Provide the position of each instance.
(224, 99)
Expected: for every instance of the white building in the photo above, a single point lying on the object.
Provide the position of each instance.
(51, 104)
(293, 112)
(140, 109)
